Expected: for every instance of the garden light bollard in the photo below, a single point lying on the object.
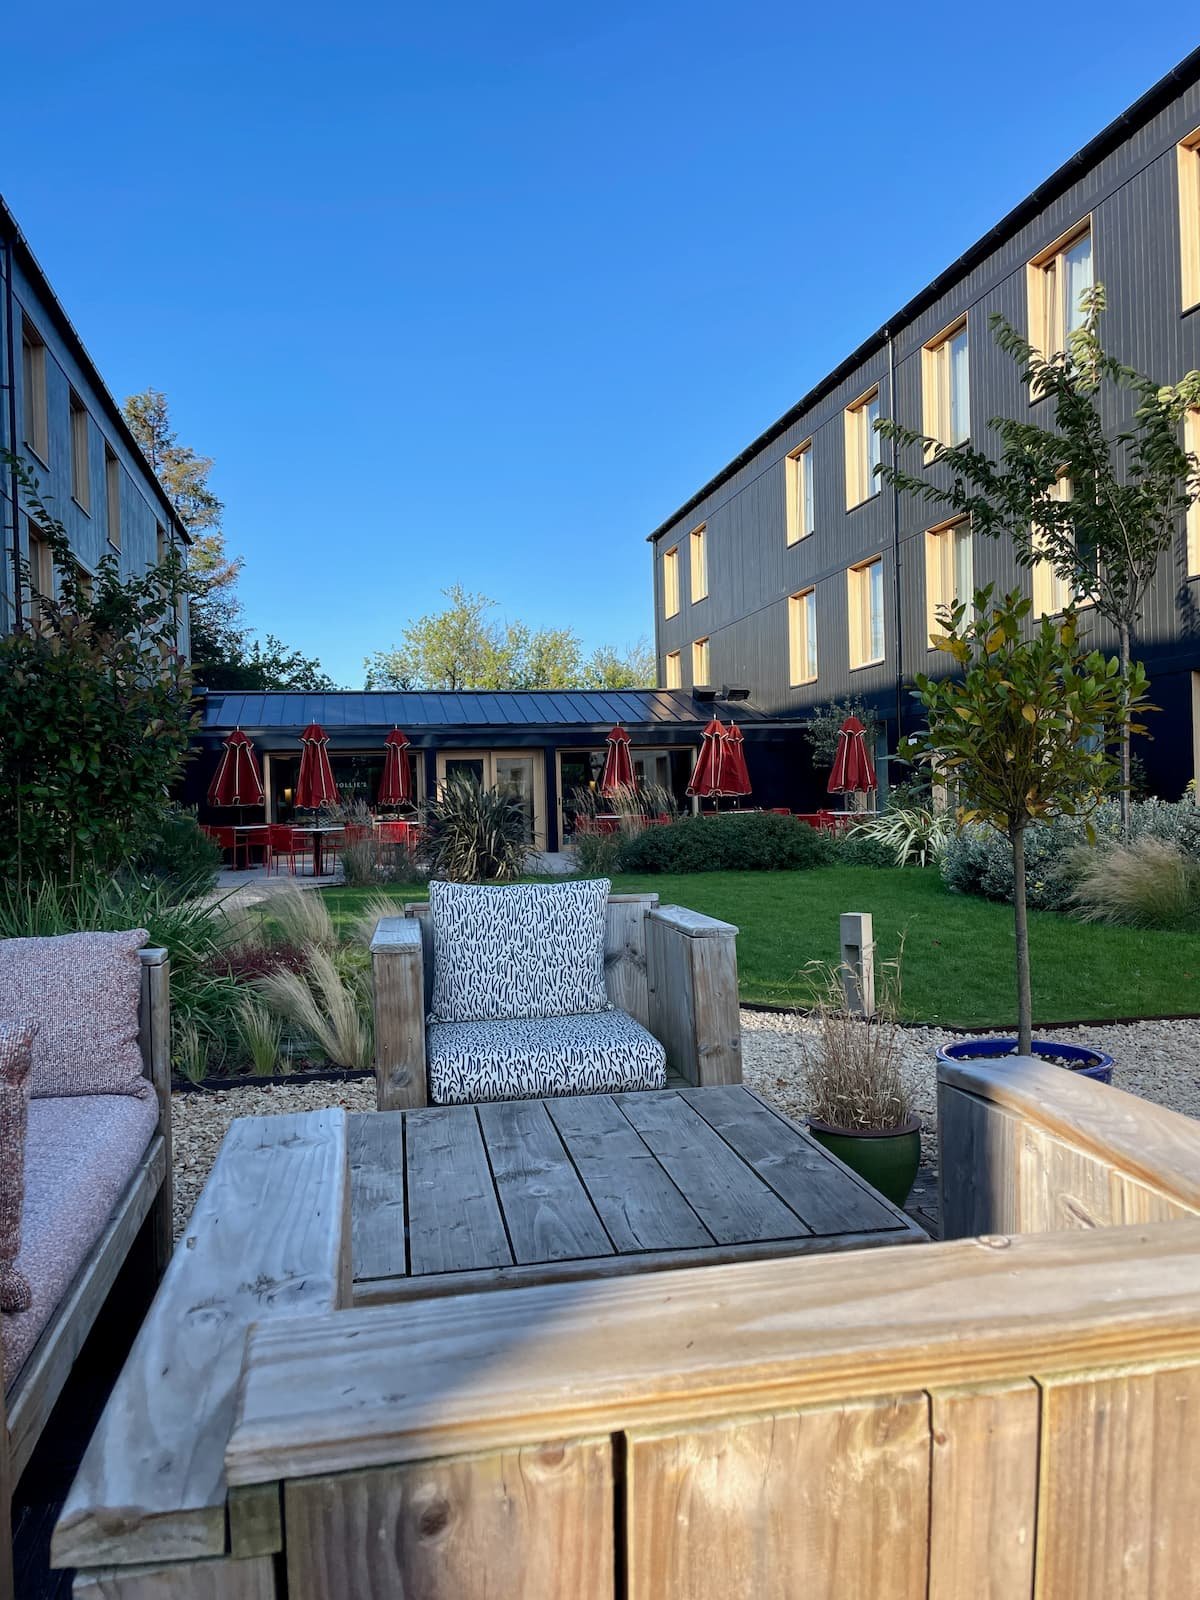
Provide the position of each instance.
(858, 963)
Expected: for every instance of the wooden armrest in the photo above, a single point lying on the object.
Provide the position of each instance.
(397, 967)
(693, 923)
(693, 983)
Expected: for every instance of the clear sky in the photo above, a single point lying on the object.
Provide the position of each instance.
(481, 293)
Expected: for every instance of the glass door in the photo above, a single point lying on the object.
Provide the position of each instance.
(517, 772)
(515, 775)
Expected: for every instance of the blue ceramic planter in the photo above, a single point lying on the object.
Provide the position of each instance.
(1087, 1063)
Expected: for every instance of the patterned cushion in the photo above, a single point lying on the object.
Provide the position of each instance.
(16, 1061)
(525, 950)
(83, 989)
(528, 1058)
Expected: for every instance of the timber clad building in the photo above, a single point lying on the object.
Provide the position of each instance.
(796, 574)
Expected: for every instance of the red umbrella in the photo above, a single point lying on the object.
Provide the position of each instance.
(395, 787)
(618, 768)
(853, 770)
(735, 776)
(236, 781)
(705, 782)
(315, 786)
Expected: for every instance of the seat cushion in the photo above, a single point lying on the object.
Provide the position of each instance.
(530, 1057)
(16, 1061)
(80, 1153)
(83, 990)
(522, 950)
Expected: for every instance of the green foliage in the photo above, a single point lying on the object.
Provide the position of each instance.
(597, 855)
(1150, 884)
(824, 721)
(474, 834)
(854, 848)
(912, 835)
(756, 842)
(180, 853)
(852, 1077)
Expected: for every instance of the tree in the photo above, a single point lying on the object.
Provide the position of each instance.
(634, 668)
(1026, 734)
(1101, 510)
(823, 724)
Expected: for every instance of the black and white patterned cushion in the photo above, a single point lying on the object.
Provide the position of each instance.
(524, 950)
(530, 1058)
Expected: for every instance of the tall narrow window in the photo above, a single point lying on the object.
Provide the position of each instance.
(865, 592)
(1058, 280)
(802, 637)
(862, 449)
(671, 582)
(698, 553)
(1052, 590)
(946, 386)
(801, 519)
(1188, 162)
(33, 399)
(1191, 443)
(80, 481)
(674, 670)
(112, 487)
(41, 575)
(949, 570)
(700, 668)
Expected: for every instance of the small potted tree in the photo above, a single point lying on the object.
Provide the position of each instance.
(1031, 730)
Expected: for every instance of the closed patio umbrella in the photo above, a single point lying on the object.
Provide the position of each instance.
(618, 768)
(853, 770)
(705, 782)
(735, 776)
(237, 781)
(395, 787)
(315, 786)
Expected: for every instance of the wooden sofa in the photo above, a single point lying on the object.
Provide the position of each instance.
(143, 1211)
(673, 970)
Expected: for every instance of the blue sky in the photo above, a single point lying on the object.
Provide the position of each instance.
(481, 293)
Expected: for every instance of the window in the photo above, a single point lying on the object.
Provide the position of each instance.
(802, 637)
(698, 552)
(87, 583)
(671, 582)
(946, 386)
(33, 372)
(800, 519)
(1058, 278)
(674, 670)
(41, 574)
(1052, 592)
(866, 613)
(112, 486)
(862, 449)
(1188, 154)
(700, 661)
(80, 486)
(949, 569)
(1191, 443)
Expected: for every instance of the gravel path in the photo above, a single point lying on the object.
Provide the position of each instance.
(1158, 1060)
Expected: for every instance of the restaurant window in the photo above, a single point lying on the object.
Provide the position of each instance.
(80, 479)
(112, 486)
(1053, 591)
(865, 592)
(671, 582)
(949, 570)
(700, 667)
(674, 670)
(1188, 162)
(946, 387)
(862, 449)
(33, 373)
(1058, 279)
(801, 520)
(1191, 443)
(802, 637)
(698, 553)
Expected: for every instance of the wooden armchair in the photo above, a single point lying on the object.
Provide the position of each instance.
(673, 970)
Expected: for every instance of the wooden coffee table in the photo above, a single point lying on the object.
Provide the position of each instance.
(451, 1199)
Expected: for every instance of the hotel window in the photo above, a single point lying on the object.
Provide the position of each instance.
(671, 582)
(865, 585)
(1188, 156)
(700, 668)
(949, 570)
(33, 372)
(80, 486)
(1052, 592)
(802, 637)
(1058, 278)
(41, 574)
(698, 553)
(862, 449)
(1191, 443)
(87, 583)
(800, 518)
(674, 670)
(112, 487)
(946, 386)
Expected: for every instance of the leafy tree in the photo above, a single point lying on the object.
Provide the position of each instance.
(1128, 491)
(824, 722)
(1026, 734)
(634, 668)
(263, 666)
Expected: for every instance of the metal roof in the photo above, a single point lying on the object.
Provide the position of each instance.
(416, 710)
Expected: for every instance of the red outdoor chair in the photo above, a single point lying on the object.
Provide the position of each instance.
(224, 839)
(285, 844)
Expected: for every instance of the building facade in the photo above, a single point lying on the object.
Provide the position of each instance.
(797, 574)
(58, 415)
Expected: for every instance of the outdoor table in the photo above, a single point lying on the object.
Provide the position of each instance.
(244, 836)
(318, 832)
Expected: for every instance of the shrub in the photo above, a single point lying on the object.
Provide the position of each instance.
(597, 855)
(181, 854)
(475, 834)
(261, 1037)
(329, 1003)
(851, 1077)
(855, 848)
(756, 842)
(298, 917)
(913, 835)
(1151, 884)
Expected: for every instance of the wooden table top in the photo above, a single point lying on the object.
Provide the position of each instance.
(449, 1199)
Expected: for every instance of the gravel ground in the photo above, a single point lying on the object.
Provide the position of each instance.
(1158, 1060)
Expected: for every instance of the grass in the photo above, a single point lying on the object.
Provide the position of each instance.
(958, 951)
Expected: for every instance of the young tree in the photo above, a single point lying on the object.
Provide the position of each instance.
(1101, 508)
(1026, 734)
(635, 667)
(824, 722)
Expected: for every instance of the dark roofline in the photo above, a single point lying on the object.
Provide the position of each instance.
(1105, 142)
(10, 229)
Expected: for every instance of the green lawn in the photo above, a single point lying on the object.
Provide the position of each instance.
(957, 950)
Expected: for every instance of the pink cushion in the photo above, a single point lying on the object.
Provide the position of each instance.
(83, 991)
(80, 1154)
(16, 1060)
